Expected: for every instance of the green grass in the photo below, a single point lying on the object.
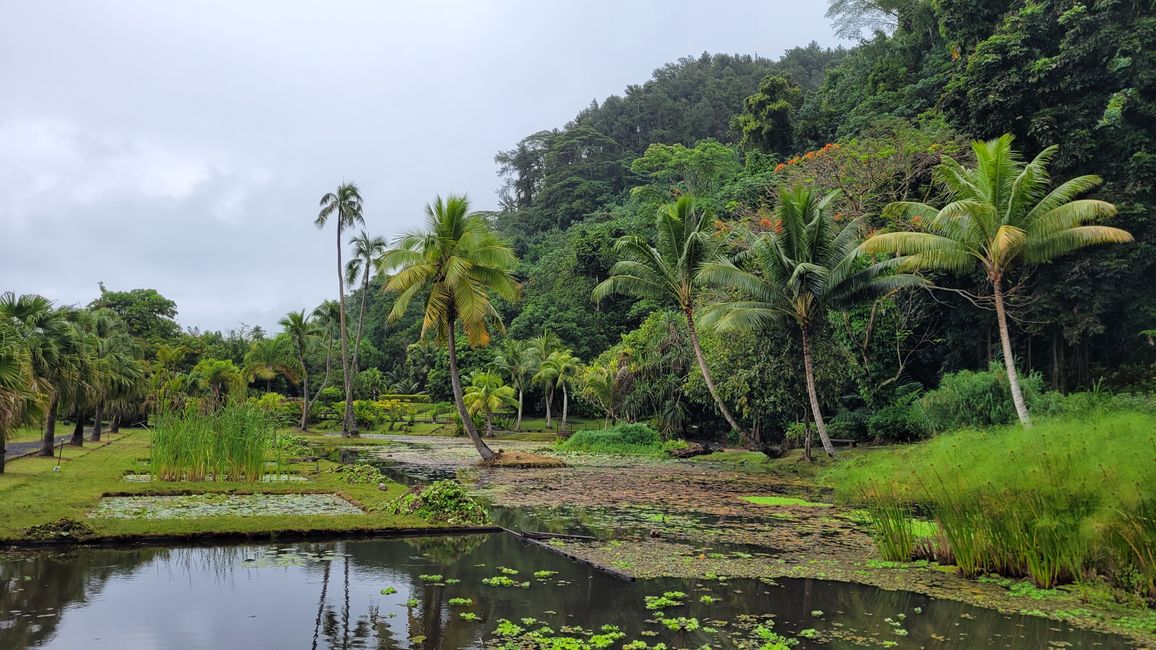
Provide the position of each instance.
(33, 494)
(231, 442)
(1067, 498)
(620, 440)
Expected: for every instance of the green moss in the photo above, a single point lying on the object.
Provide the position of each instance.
(781, 501)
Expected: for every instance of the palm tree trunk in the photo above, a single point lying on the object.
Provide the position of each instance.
(304, 393)
(324, 379)
(1013, 378)
(361, 318)
(95, 437)
(489, 425)
(565, 404)
(549, 398)
(518, 424)
(348, 426)
(459, 398)
(49, 440)
(816, 413)
(78, 431)
(114, 424)
(698, 354)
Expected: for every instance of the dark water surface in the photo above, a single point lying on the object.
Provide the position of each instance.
(328, 595)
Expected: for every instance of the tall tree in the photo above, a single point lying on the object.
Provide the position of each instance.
(344, 206)
(460, 262)
(366, 252)
(806, 265)
(667, 271)
(303, 333)
(513, 360)
(998, 214)
(20, 394)
(542, 372)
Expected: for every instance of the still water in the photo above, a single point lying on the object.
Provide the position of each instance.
(330, 595)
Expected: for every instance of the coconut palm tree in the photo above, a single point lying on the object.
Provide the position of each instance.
(267, 358)
(999, 214)
(667, 271)
(486, 395)
(566, 367)
(513, 360)
(303, 333)
(344, 206)
(546, 376)
(366, 251)
(459, 262)
(807, 265)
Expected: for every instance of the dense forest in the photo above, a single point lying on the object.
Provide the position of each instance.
(736, 133)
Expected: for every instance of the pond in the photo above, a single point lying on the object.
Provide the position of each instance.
(406, 593)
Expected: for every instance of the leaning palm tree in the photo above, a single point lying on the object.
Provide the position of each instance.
(998, 214)
(366, 251)
(807, 265)
(513, 360)
(303, 333)
(486, 395)
(344, 206)
(459, 262)
(667, 272)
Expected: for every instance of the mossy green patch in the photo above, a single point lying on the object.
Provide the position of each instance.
(781, 501)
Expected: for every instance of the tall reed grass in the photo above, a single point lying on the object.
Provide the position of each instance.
(231, 443)
(1067, 499)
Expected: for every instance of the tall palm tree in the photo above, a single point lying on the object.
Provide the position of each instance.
(667, 272)
(460, 262)
(998, 214)
(513, 360)
(303, 333)
(344, 206)
(546, 375)
(486, 395)
(807, 265)
(116, 369)
(366, 252)
(566, 367)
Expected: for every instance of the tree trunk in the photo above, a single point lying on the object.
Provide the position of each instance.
(565, 404)
(49, 440)
(348, 426)
(549, 398)
(3, 452)
(304, 394)
(698, 354)
(324, 379)
(807, 442)
(78, 431)
(459, 398)
(95, 437)
(816, 413)
(489, 425)
(1013, 378)
(517, 426)
(360, 320)
(114, 424)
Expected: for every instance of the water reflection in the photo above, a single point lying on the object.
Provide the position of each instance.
(329, 595)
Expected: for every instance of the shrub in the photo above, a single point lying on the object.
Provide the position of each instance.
(897, 423)
(282, 410)
(622, 439)
(443, 501)
(975, 399)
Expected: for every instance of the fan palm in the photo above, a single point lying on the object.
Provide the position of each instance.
(808, 265)
(459, 262)
(344, 206)
(998, 214)
(20, 396)
(486, 395)
(366, 251)
(667, 271)
(116, 370)
(513, 359)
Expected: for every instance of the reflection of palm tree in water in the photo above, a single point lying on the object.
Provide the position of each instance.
(321, 602)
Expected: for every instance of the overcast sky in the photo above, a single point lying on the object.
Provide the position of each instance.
(183, 146)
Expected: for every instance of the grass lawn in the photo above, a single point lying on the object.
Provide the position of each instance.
(28, 434)
(33, 494)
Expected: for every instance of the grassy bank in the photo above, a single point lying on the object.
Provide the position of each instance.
(1070, 499)
(36, 496)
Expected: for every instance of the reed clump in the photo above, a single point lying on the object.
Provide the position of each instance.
(1069, 499)
(231, 443)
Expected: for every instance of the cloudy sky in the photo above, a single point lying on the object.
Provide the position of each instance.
(183, 146)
